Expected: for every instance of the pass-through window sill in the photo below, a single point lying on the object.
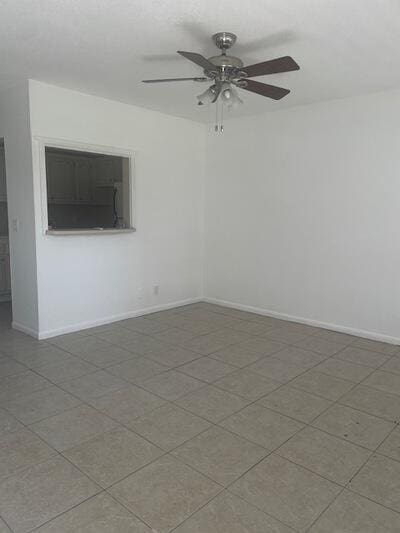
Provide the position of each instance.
(89, 231)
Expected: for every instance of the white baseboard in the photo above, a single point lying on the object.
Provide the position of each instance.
(371, 335)
(109, 319)
(261, 311)
(24, 329)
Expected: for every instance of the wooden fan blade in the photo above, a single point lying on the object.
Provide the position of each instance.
(274, 66)
(174, 79)
(270, 91)
(198, 59)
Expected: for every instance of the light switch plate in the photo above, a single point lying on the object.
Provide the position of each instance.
(15, 224)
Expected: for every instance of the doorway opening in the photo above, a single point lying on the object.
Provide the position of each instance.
(5, 275)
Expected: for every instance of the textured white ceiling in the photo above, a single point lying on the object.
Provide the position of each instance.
(105, 47)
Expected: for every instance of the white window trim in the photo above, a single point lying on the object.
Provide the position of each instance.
(39, 161)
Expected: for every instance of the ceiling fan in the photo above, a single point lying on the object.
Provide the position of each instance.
(227, 72)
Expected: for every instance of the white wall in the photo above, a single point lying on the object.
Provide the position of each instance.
(15, 128)
(92, 279)
(303, 213)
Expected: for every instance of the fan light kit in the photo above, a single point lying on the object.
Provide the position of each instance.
(227, 74)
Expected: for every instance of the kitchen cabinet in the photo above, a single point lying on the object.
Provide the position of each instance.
(80, 179)
(84, 182)
(61, 179)
(104, 172)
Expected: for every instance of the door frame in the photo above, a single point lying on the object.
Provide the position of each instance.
(7, 297)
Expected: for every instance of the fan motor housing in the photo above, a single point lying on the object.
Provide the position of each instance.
(227, 66)
(225, 61)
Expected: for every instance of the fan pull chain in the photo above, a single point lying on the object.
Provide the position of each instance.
(219, 117)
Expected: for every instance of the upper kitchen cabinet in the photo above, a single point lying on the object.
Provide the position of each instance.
(104, 171)
(61, 179)
(84, 180)
(80, 178)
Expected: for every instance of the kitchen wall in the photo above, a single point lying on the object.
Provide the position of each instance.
(91, 279)
(15, 128)
(302, 214)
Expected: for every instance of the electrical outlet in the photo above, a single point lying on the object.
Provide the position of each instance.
(140, 293)
(15, 224)
(156, 290)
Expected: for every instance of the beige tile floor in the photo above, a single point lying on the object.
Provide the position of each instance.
(199, 419)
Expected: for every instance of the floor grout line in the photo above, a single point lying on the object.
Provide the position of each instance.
(213, 424)
(352, 477)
